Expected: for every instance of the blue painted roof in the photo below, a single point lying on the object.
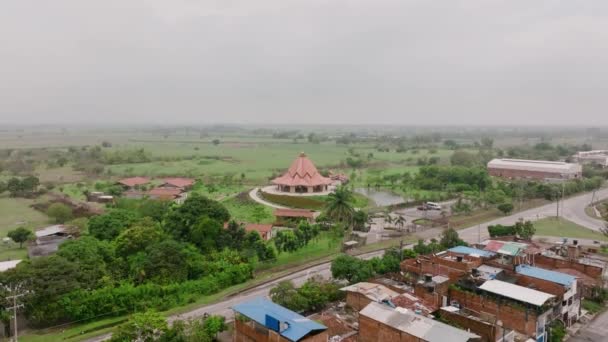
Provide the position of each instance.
(541, 273)
(259, 308)
(469, 250)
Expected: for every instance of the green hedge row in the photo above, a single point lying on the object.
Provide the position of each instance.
(84, 304)
(299, 202)
(500, 230)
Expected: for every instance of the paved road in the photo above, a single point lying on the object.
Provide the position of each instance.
(596, 331)
(575, 206)
(254, 196)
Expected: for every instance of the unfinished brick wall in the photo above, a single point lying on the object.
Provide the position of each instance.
(521, 320)
(374, 331)
(247, 332)
(541, 285)
(552, 263)
(486, 331)
(356, 300)
(440, 266)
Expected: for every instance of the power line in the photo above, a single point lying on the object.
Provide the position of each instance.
(15, 292)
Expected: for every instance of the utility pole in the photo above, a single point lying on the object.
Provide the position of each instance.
(15, 292)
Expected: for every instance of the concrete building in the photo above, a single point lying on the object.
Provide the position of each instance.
(380, 322)
(597, 157)
(361, 294)
(534, 169)
(260, 320)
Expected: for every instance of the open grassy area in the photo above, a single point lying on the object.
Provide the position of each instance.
(16, 212)
(242, 209)
(591, 306)
(563, 228)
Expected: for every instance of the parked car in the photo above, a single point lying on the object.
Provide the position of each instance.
(430, 206)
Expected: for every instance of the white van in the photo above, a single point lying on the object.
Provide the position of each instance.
(432, 206)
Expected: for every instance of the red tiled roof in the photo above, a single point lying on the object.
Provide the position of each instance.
(179, 182)
(260, 228)
(494, 246)
(293, 213)
(133, 181)
(302, 172)
(164, 192)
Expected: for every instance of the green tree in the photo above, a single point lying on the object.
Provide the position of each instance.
(216, 142)
(214, 325)
(146, 326)
(506, 208)
(20, 235)
(138, 237)
(60, 212)
(339, 206)
(463, 158)
(286, 241)
(525, 229)
(360, 220)
(285, 294)
(30, 183)
(207, 234)
(450, 238)
(109, 225)
(180, 221)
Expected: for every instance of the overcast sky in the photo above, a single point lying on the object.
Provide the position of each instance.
(307, 61)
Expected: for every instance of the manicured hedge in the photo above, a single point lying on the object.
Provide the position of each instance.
(300, 202)
(500, 230)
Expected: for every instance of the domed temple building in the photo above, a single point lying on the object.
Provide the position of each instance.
(302, 177)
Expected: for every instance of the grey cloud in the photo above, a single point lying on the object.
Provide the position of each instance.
(305, 61)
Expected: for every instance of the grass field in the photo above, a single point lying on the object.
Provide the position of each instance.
(242, 209)
(16, 212)
(563, 228)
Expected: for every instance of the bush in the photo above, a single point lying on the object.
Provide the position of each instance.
(60, 212)
(500, 230)
(294, 201)
(505, 208)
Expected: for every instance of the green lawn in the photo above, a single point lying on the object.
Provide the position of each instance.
(16, 212)
(563, 228)
(242, 209)
(318, 248)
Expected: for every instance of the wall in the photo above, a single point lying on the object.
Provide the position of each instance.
(356, 300)
(507, 173)
(519, 319)
(247, 332)
(541, 285)
(374, 331)
(553, 263)
(487, 331)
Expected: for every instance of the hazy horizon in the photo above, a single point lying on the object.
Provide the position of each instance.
(284, 62)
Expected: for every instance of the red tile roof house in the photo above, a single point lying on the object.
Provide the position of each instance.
(265, 230)
(181, 183)
(133, 182)
(302, 177)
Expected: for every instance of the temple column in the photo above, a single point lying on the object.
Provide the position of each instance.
(311, 189)
(292, 189)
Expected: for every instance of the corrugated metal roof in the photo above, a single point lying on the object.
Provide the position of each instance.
(534, 165)
(50, 230)
(541, 273)
(520, 293)
(470, 251)
(259, 308)
(505, 247)
(375, 292)
(419, 326)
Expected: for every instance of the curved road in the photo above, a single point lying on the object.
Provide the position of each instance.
(573, 210)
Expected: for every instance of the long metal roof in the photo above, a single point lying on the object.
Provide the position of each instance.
(295, 326)
(541, 273)
(471, 251)
(534, 165)
(416, 325)
(520, 293)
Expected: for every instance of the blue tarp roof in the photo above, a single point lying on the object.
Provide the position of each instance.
(259, 308)
(541, 273)
(468, 251)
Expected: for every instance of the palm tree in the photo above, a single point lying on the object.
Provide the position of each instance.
(388, 219)
(400, 221)
(339, 206)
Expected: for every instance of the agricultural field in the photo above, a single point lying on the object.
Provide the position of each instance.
(14, 213)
